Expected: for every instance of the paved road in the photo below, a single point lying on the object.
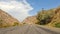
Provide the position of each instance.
(27, 29)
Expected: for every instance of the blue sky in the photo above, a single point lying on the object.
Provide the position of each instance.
(39, 4)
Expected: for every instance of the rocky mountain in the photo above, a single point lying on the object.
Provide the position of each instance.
(56, 17)
(30, 20)
(6, 19)
(49, 17)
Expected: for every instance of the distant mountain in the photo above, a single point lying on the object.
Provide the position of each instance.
(7, 20)
(30, 20)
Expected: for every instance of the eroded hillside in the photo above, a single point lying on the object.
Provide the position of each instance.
(7, 20)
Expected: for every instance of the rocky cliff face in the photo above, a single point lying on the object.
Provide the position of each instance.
(56, 17)
(6, 19)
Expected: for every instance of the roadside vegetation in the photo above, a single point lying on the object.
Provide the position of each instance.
(49, 17)
(5, 25)
(57, 25)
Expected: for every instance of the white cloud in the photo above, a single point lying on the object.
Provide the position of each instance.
(18, 9)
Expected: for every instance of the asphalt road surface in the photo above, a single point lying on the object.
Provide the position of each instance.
(27, 29)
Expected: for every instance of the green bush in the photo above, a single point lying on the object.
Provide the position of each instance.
(16, 23)
(57, 25)
(43, 18)
(24, 23)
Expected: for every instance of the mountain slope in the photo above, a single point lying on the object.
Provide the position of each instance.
(6, 19)
(56, 17)
(30, 20)
(49, 17)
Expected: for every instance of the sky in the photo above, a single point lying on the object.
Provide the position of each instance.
(20, 9)
(39, 4)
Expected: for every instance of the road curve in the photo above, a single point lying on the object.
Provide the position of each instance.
(27, 29)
